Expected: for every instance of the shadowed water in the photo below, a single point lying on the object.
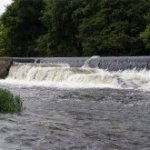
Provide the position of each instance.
(77, 119)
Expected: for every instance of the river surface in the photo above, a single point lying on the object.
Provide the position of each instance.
(77, 119)
(77, 108)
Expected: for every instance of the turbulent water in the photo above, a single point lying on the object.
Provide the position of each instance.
(62, 75)
(77, 108)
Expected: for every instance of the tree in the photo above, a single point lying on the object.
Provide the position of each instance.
(21, 20)
(114, 28)
(75, 28)
(145, 35)
(2, 40)
(60, 37)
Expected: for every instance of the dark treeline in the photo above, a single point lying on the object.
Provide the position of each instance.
(75, 28)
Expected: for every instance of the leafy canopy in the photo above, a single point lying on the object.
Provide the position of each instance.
(75, 28)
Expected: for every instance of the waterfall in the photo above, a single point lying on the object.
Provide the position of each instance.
(62, 75)
(94, 72)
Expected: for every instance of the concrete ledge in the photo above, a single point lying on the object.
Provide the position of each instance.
(5, 64)
(109, 63)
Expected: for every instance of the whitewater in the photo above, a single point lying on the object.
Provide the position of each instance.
(64, 76)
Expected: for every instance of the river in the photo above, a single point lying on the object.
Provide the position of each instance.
(75, 111)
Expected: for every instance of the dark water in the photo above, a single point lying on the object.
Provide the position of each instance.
(79, 119)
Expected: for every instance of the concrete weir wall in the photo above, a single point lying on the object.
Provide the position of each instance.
(109, 63)
(5, 64)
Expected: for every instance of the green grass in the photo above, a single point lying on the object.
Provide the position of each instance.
(9, 103)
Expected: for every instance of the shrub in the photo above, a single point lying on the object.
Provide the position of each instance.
(9, 103)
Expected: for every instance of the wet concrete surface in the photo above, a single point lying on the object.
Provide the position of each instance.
(77, 119)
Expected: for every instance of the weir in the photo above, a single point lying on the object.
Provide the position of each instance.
(84, 72)
(109, 63)
(94, 72)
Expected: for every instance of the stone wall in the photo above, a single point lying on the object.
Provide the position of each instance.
(5, 64)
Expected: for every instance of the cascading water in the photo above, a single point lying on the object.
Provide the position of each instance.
(92, 62)
(62, 75)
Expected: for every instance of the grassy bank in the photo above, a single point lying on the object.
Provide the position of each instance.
(9, 103)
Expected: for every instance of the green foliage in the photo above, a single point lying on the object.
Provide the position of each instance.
(9, 103)
(21, 20)
(114, 28)
(2, 40)
(60, 37)
(98, 27)
(75, 28)
(145, 35)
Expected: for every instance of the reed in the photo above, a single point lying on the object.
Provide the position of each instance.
(9, 103)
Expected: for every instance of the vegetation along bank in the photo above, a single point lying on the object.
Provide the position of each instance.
(75, 28)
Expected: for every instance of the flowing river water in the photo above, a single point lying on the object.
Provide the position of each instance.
(81, 108)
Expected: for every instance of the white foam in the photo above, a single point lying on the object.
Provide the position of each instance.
(65, 77)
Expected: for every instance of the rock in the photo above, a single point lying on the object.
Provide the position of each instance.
(5, 64)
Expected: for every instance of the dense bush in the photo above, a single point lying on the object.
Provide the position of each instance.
(9, 103)
(75, 28)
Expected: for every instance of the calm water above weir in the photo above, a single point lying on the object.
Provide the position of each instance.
(77, 109)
